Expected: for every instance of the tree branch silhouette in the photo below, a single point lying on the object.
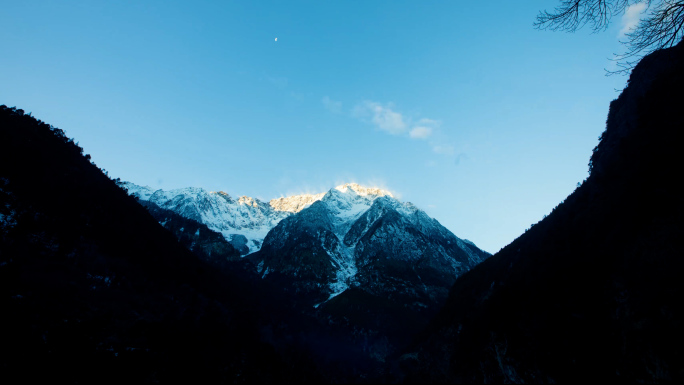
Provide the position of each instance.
(661, 25)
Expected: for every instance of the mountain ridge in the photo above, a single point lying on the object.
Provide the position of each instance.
(239, 217)
(324, 245)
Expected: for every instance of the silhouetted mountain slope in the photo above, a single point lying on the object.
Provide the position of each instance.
(207, 244)
(93, 289)
(593, 291)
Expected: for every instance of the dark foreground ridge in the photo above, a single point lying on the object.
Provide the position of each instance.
(93, 289)
(593, 291)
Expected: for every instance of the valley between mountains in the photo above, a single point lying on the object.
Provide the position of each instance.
(104, 281)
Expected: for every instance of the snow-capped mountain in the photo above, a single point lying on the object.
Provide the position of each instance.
(365, 238)
(350, 236)
(244, 221)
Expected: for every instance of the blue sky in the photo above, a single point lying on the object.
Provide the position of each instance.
(462, 108)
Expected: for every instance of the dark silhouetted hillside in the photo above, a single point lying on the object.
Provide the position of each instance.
(207, 244)
(593, 291)
(93, 289)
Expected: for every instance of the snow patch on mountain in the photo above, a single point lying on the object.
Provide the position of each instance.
(345, 264)
(346, 203)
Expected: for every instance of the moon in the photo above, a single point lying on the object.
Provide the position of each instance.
(276, 39)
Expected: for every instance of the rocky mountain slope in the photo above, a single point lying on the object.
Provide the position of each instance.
(243, 221)
(593, 291)
(365, 238)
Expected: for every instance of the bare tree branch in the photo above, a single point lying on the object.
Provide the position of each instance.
(662, 26)
(572, 15)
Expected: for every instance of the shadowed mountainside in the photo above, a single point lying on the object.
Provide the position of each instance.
(594, 290)
(93, 289)
(205, 243)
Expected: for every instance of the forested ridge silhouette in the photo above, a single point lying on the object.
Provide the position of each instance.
(592, 291)
(93, 289)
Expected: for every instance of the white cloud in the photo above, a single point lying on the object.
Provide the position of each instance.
(383, 117)
(424, 128)
(420, 132)
(331, 105)
(631, 17)
(386, 118)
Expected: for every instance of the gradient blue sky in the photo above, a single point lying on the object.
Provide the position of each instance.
(459, 107)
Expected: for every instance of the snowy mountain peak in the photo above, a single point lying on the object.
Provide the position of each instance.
(243, 221)
(249, 201)
(364, 191)
(295, 203)
(222, 193)
(252, 218)
(357, 236)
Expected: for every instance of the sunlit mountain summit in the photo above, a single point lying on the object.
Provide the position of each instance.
(356, 237)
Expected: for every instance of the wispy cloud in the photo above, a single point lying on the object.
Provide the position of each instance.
(420, 132)
(424, 128)
(381, 116)
(331, 105)
(631, 17)
(386, 117)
